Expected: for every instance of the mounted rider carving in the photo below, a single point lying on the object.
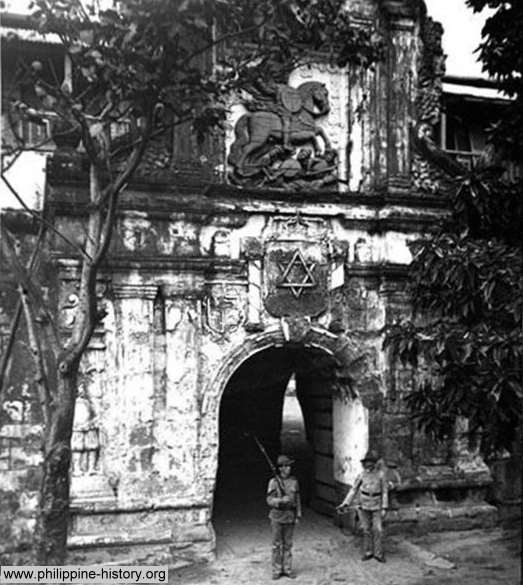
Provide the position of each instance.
(279, 117)
(285, 101)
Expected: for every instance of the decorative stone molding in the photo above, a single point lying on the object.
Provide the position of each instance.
(188, 286)
(134, 291)
(135, 230)
(339, 253)
(68, 302)
(431, 68)
(221, 243)
(68, 307)
(252, 248)
(254, 295)
(296, 329)
(296, 227)
(401, 87)
(400, 8)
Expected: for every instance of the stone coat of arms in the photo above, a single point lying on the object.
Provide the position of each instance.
(296, 272)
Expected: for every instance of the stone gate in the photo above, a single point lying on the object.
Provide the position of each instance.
(289, 262)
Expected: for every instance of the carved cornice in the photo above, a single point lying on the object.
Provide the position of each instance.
(134, 291)
(206, 266)
(224, 201)
(384, 270)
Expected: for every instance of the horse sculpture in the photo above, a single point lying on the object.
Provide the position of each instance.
(260, 132)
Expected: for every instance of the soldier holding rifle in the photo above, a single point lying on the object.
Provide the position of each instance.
(283, 498)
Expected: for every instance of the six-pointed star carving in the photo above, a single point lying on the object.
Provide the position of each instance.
(297, 275)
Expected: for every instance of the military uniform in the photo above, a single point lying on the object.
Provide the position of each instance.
(370, 490)
(284, 511)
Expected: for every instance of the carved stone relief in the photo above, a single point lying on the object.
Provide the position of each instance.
(224, 308)
(297, 266)
(221, 243)
(177, 237)
(425, 177)
(135, 232)
(85, 440)
(278, 141)
(68, 304)
(362, 251)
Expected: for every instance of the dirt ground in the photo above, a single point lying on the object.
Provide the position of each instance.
(324, 555)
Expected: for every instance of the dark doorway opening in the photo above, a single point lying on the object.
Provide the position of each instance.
(283, 396)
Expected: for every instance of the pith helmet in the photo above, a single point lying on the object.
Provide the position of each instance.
(284, 460)
(371, 456)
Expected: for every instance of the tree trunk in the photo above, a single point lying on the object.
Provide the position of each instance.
(53, 520)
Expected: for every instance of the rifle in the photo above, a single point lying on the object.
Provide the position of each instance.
(271, 465)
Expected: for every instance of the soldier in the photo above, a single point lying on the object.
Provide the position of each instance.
(371, 486)
(283, 498)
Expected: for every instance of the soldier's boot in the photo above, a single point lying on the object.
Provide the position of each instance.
(379, 555)
(276, 561)
(367, 546)
(287, 562)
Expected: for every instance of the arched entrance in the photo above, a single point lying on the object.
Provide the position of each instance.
(252, 405)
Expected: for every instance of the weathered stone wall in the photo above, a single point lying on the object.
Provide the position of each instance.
(178, 325)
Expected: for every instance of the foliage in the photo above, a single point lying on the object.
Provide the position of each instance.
(467, 292)
(184, 57)
(466, 285)
(501, 52)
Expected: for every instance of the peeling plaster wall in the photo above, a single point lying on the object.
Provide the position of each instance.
(179, 325)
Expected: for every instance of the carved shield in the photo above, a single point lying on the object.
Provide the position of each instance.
(223, 309)
(291, 99)
(295, 278)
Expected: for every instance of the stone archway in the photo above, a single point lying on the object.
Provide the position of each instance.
(250, 384)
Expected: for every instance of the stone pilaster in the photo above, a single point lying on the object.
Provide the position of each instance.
(176, 425)
(129, 443)
(401, 83)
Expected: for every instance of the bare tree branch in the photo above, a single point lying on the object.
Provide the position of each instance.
(226, 37)
(101, 225)
(11, 162)
(6, 356)
(41, 378)
(18, 313)
(37, 216)
(24, 278)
